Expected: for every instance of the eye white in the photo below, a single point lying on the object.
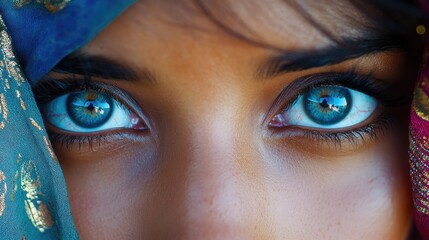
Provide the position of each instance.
(363, 106)
(56, 114)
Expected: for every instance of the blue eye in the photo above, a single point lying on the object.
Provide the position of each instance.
(327, 107)
(90, 111)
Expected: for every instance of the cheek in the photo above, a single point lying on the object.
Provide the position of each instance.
(127, 191)
(105, 186)
(365, 195)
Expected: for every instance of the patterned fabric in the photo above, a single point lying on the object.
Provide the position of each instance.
(419, 145)
(33, 195)
(419, 151)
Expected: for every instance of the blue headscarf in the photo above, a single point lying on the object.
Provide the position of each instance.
(36, 35)
(43, 33)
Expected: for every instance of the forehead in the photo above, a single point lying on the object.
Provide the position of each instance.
(285, 24)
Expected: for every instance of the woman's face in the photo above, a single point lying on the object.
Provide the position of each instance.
(216, 137)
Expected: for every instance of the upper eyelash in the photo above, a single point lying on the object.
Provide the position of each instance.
(49, 89)
(367, 84)
(364, 83)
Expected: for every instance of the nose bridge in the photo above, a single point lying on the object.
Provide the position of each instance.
(214, 182)
(216, 186)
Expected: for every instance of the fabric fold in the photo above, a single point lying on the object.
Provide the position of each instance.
(43, 33)
(33, 194)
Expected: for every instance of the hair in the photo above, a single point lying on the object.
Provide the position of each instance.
(394, 21)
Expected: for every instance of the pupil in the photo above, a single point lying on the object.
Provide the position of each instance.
(324, 103)
(90, 106)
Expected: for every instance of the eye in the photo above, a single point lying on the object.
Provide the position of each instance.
(90, 111)
(327, 107)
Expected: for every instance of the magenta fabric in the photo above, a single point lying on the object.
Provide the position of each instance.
(419, 145)
(419, 151)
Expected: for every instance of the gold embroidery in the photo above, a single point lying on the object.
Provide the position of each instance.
(18, 159)
(10, 61)
(3, 111)
(36, 124)
(421, 29)
(419, 160)
(421, 103)
(14, 187)
(21, 3)
(49, 146)
(51, 5)
(15, 178)
(18, 95)
(30, 180)
(3, 191)
(6, 80)
(36, 210)
(41, 218)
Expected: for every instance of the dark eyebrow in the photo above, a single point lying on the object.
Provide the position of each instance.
(90, 66)
(340, 52)
(288, 61)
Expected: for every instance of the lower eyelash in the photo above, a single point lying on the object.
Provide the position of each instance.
(68, 141)
(355, 137)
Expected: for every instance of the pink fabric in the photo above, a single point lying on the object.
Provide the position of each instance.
(419, 154)
(419, 145)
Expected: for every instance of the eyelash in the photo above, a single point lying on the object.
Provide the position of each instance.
(356, 136)
(364, 83)
(49, 89)
(68, 141)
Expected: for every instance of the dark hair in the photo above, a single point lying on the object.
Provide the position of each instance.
(393, 22)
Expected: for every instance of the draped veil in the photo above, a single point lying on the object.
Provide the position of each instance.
(33, 196)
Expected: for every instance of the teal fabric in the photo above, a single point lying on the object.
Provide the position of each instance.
(33, 195)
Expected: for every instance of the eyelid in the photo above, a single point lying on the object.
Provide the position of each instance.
(381, 90)
(49, 89)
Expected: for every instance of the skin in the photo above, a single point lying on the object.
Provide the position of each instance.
(210, 167)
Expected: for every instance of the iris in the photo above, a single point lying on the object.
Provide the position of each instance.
(89, 109)
(327, 105)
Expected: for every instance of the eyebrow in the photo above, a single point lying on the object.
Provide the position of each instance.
(90, 66)
(340, 52)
